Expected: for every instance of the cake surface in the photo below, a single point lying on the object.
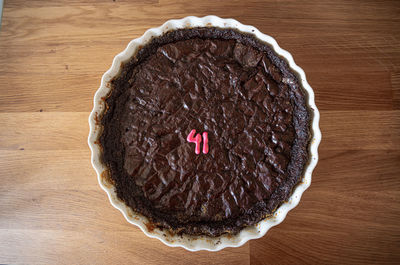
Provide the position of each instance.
(238, 96)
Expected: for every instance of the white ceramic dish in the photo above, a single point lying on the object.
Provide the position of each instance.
(201, 242)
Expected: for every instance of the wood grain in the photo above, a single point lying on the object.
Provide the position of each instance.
(52, 55)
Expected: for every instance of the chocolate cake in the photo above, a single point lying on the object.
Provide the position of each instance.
(206, 131)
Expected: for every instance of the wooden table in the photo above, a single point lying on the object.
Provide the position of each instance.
(52, 56)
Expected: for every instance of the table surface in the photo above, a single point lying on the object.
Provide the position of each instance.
(52, 56)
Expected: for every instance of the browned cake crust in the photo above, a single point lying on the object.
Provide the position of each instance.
(221, 82)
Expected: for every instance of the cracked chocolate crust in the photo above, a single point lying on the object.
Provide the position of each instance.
(212, 80)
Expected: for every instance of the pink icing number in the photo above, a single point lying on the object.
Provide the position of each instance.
(205, 144)
(191, 138)
(197, 140)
